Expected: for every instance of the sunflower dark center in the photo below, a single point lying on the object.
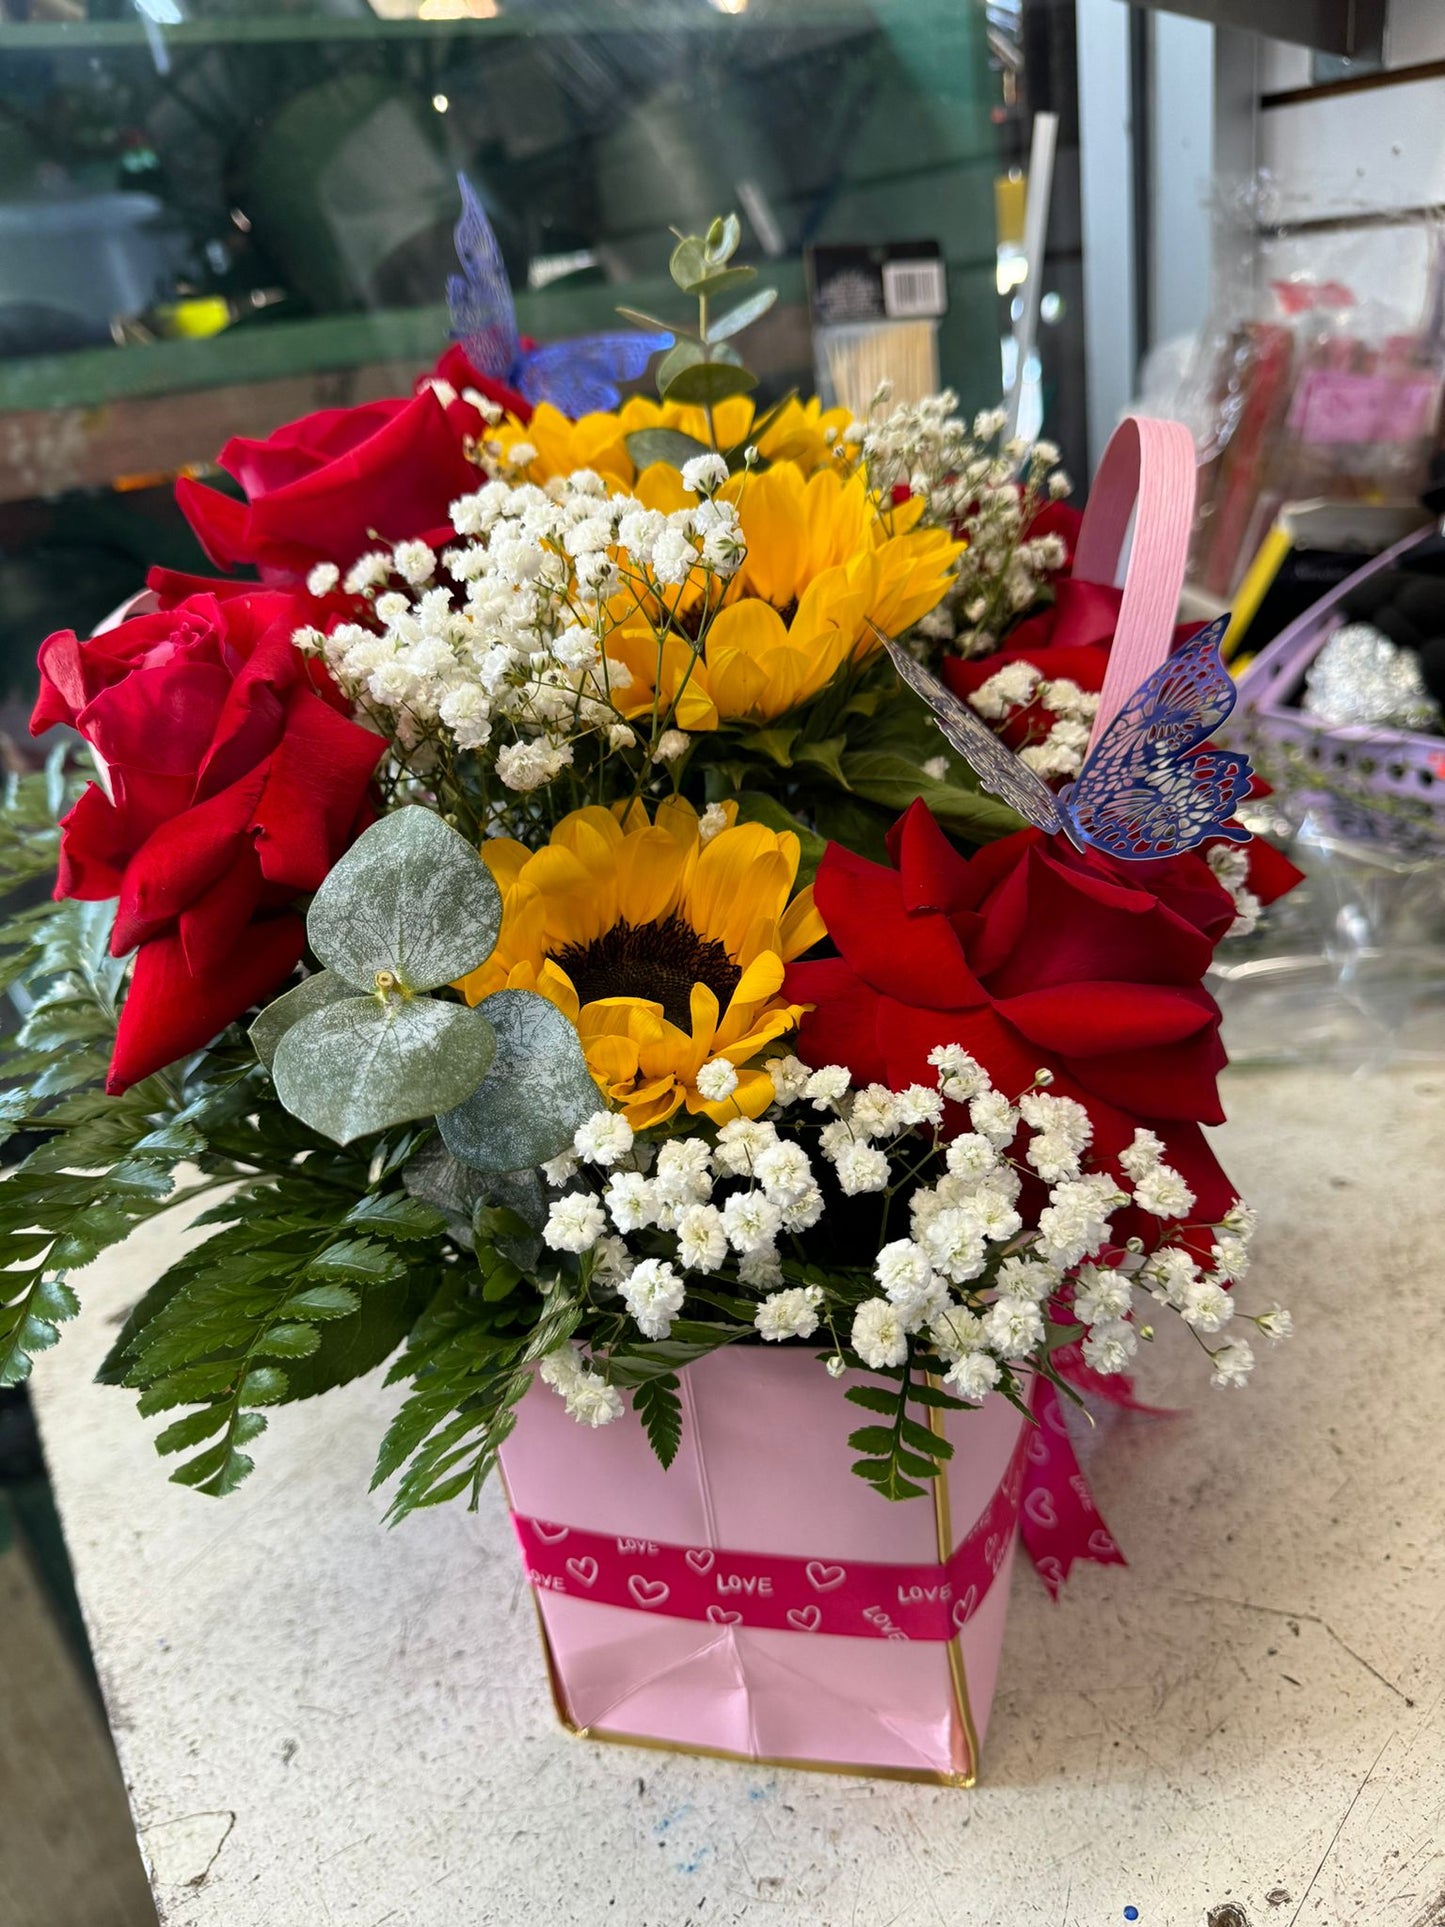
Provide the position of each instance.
(658, 961)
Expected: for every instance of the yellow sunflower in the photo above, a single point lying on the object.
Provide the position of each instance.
(563, 446)
(665, 947)
(804, 434)
(821, 567)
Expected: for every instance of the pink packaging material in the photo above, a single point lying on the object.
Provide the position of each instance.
(764, 1468)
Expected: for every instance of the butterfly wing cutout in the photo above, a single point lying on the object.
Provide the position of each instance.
(582, 375)
(484, 318)
(1149, 789)
(998, 770)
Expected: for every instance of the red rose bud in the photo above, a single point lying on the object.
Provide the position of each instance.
(327, 487)
(234, 779)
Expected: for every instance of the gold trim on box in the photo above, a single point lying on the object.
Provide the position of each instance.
(919, 1776)
(957, 1672)
(923, 1776)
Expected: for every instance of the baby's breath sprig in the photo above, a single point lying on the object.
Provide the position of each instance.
(986, 489)
(1003, 1246)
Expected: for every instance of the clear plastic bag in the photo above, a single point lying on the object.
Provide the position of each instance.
(1347, 969)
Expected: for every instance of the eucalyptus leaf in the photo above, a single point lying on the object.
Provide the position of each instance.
(314, 993)
(670, 445)
(724, 237)
(535, 1095)
(435, 1176)
(522, 1193)
(709, 382)
(411, 897)
(364, 1065)
(743, 315)
(682, 354)
(689, 262)
(641, 320)
(723, 282)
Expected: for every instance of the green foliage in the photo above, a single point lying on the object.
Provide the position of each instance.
(537, 1092)
(631, 1363)
(366, 1063)
(895, 781)
(103, 1165)
(357, 1048)
(319, 1263)
(657, 1404)
(469, 1362)
(895, 1457)
(907, 1449)
(309, 1287)
(702, 368)
(850, 761)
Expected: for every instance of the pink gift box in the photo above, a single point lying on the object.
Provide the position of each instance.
(764, 1468)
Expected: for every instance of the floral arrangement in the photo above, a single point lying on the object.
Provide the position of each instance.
(538, 924)
(1018, 637)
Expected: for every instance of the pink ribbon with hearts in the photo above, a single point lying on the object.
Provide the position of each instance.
(1059, 1521)
(1042, 1490)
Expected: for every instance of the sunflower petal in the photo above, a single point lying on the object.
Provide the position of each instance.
(650, 866)
(802, 925)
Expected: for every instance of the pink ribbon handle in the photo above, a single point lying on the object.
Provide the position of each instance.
(1152, 463)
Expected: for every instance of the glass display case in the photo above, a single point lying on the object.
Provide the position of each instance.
(216, 215)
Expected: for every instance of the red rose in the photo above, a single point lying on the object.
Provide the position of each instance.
(324, 488)
(1029, 955)
(1069, 641)
(233, 781)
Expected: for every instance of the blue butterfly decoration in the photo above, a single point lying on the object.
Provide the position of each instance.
(576, 376)
(1149, 788)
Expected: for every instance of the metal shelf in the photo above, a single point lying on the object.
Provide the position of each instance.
(651, 17)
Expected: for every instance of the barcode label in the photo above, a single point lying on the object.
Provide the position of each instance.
(913, 288)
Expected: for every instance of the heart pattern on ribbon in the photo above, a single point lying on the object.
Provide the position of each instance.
(648, 1592)
(1042, 1491)
(1060, 1521)
(1039, 1507)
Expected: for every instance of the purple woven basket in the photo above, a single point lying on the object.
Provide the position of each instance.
(1371, 785)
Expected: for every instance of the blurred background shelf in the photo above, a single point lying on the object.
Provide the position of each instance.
(674, 16)
(258, 199)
